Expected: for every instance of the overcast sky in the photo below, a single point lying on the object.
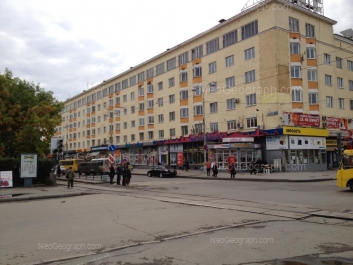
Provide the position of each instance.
(70, 45)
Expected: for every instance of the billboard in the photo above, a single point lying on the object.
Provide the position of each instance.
(300, 119)
(28, 166)
(6, 179)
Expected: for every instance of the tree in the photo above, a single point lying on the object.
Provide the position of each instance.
(28, 117)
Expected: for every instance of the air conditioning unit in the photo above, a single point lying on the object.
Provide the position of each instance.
(236, 100)
(260, 127)
(349, 120)
(240, 125)
(324, 118)
(324, 124)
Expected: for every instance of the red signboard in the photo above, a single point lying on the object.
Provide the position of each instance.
(180, 158)
(302, 119)
(336, 123)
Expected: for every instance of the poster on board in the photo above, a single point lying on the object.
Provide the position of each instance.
(6, 179)
(28, 166)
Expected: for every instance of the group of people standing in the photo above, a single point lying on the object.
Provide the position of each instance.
(212, 166)
(122, 171)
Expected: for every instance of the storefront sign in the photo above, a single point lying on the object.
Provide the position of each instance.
(133, 145)
(238, 139)
(302, 142)
(6, 179)
(336, 123)
(334, 133)
(180, 158)
(331, 142)
(176, 148)
(240, 145)
(161, 142)
(99, 148)
(213, 137)
(221, 146)
(305, 131)
(299, 119)
(276, 142)
(163, 150)
(28, 165)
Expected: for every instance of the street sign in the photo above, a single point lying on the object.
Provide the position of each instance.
(205, 147)
(111, 148)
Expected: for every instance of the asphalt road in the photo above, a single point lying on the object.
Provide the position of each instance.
(181, 221)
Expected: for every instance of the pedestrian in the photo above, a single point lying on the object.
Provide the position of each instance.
(233, 171)
(208, 168)
(111, 173)
(215, 170)
(258, 165)
(118, 174)
(253, 167)
(187, 165)
(124, 173)
(58, 170)
(128, 175)
(70, 175)
(212, 167)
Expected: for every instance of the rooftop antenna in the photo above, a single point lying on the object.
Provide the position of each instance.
(348, 33)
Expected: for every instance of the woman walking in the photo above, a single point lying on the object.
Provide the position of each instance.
(111, 173)
(233, 171)
(128, 175)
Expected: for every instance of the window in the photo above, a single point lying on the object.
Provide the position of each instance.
(351, 103)
(214, 126)
(132, 96)
(184, 76)
(141, 136)
(118, 112)
(230, 38)
(160, 102)
(341, 103)
(198, 110)
(150, 119)
(161, 133)
(184, 130)
(295, 71)
(197, 89)
(117, 87)
(171, 82)
(141, 77)
(327, 58)
(197, 52)
(117, 101)
(172, 116)
(133, 80)
(250, 76)
(171, 64)
(198, 128)
(350, 85)
(310, 53)
(183, 58)
(297, 95)
(329, 102)
(150, 73)
(197, 71)
(213, 87)
(132, 124)
(251, 122)
(339, 82)
(251, 100)
(150, 104)
(312, 75)
(125, 125)
(117, 126)
(230, 82)
(229, 60)
(132, 137)
(125, 83)
(350, 65)
(328, 80)
(160, 69)
(213, 107)
(249, 53)
(294, 48)
(184, 94)
(212, 67)
(338, 62)
(160, 118)
(249, 30)
(293, 25)
(141, 106)
(125, 138)
(310, 30)
(171, 99)
(172, 132)
(313, 98)
(132, 109)
(141, 91)
(149, 88)
(160, 86)
(231, 125)
(230, 104)
(150, 135)
(184, 113)
(141, 121)
(212, 46)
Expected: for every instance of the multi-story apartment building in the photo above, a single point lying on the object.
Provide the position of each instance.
(270, 82)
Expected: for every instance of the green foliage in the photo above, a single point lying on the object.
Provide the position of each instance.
(28, 117)
(43, 170)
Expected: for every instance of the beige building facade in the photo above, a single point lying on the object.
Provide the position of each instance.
(268, 76)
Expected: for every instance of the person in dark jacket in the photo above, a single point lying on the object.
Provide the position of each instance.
(258, 165)
(233, 171)
(128, 175)
(58, 170)
(70, 175)
(253, 167)
(111, 173)
(215, 170)
(118, 174)
(124, 173)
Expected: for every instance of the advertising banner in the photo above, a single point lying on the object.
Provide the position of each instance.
(6, 179)
(302, 142)
(276, 142)
(28, 166)
(300, 119)
(180, 158)
(176, 148)
(336, 123)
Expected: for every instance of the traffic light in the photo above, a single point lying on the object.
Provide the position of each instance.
(59, 147)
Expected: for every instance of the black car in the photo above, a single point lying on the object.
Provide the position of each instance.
(161, 171)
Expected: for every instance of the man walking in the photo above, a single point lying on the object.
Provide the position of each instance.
(70, 175)
(111, 173)
(208, 168)
(124, 173)
(118, 174)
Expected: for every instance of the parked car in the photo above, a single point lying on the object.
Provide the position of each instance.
(161, 171)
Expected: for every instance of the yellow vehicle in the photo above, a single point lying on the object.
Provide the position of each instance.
(345, 171)
(67, 163)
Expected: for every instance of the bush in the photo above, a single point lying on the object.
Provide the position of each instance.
(13, 164)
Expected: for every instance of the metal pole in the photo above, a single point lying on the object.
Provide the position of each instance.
(204, 129)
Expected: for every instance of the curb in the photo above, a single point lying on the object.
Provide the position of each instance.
(40, 197)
